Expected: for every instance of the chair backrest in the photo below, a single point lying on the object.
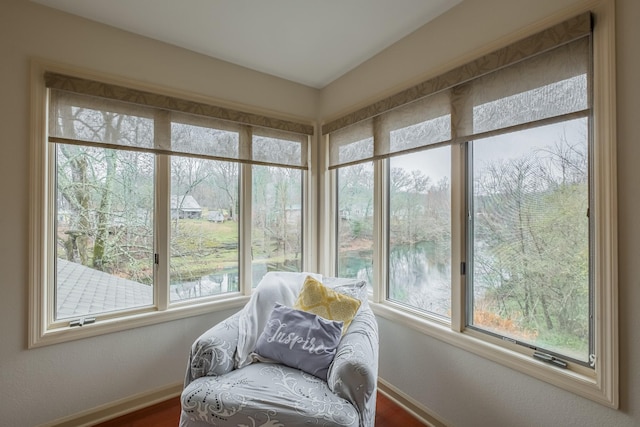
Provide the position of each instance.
(281, 287)
(275, 287)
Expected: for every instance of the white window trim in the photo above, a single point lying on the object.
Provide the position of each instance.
(601, 383)
(42, 329)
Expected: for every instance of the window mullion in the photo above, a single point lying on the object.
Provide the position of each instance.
(244, 208)
(381, 141)
(162, 282)
(308, 253)
(461, 116)
(330, 250)
(163, 233)
(458, 237)
(380, 230)
(49, 224)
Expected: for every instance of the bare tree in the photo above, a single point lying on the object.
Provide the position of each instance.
(531, 240)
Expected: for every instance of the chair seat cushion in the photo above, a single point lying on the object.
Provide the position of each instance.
(264, 394)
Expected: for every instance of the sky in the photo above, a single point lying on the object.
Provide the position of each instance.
(436, 162)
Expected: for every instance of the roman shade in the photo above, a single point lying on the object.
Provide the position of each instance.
(87, 112)
(522, 85)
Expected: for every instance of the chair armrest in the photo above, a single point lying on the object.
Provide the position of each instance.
(213, 352)
(353, 374)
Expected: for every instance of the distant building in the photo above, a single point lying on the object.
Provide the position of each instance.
(215, 216)
(185, 207)
(293, 214)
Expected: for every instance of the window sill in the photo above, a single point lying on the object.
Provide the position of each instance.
(151, 316)
(579, 380)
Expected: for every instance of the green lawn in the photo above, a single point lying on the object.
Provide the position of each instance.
(200, 247)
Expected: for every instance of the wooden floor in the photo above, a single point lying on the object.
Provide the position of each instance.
(167, 414)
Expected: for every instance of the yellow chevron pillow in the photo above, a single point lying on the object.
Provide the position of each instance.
(318, 299)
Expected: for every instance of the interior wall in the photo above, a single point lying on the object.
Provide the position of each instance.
(457, 386)
(52, 382)
(463, 33)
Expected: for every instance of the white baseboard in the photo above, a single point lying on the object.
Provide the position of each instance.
(410, 405)
(129, 404)
(118, 408)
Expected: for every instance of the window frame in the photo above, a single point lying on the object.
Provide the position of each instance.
(386, 176)
(303, 222)
(470, 253)
(43, 329)
(600, 383)
(337, 218)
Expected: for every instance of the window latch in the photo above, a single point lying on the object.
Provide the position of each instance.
(550, 359)
(82, 321)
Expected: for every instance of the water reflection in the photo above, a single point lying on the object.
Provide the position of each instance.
(356, 265)
(419, 275)
(225, 280)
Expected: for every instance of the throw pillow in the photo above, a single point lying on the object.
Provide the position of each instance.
(318, 299)
(300, 339)
(352, 287)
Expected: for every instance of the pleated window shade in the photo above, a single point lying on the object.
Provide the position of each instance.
(533, 82)
(95, 113)
(352, 144)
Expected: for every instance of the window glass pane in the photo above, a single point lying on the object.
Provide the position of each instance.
(355, 222)
(551, 100)
(420, 123)
(351, 144)
(531, 237)
(204, 228)
(104, 230)
(421, 134)
(88, 118)
(279, 148)
(547, 85)
(420, 230)
(206, 140)
(276, 239)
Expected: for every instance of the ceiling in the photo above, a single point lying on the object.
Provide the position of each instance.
(305, 41)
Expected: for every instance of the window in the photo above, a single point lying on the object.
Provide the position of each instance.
(104, 221)
(355, 222)
(419, 242)
(492, 195)
(276, 221)
(142, 198)
(529, 264)
(204, 228)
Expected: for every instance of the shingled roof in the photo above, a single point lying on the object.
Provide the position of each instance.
(82, 291)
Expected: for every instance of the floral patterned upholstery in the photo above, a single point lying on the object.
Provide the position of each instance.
(216, 393)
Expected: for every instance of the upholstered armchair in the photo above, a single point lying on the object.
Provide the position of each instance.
(229, 381)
